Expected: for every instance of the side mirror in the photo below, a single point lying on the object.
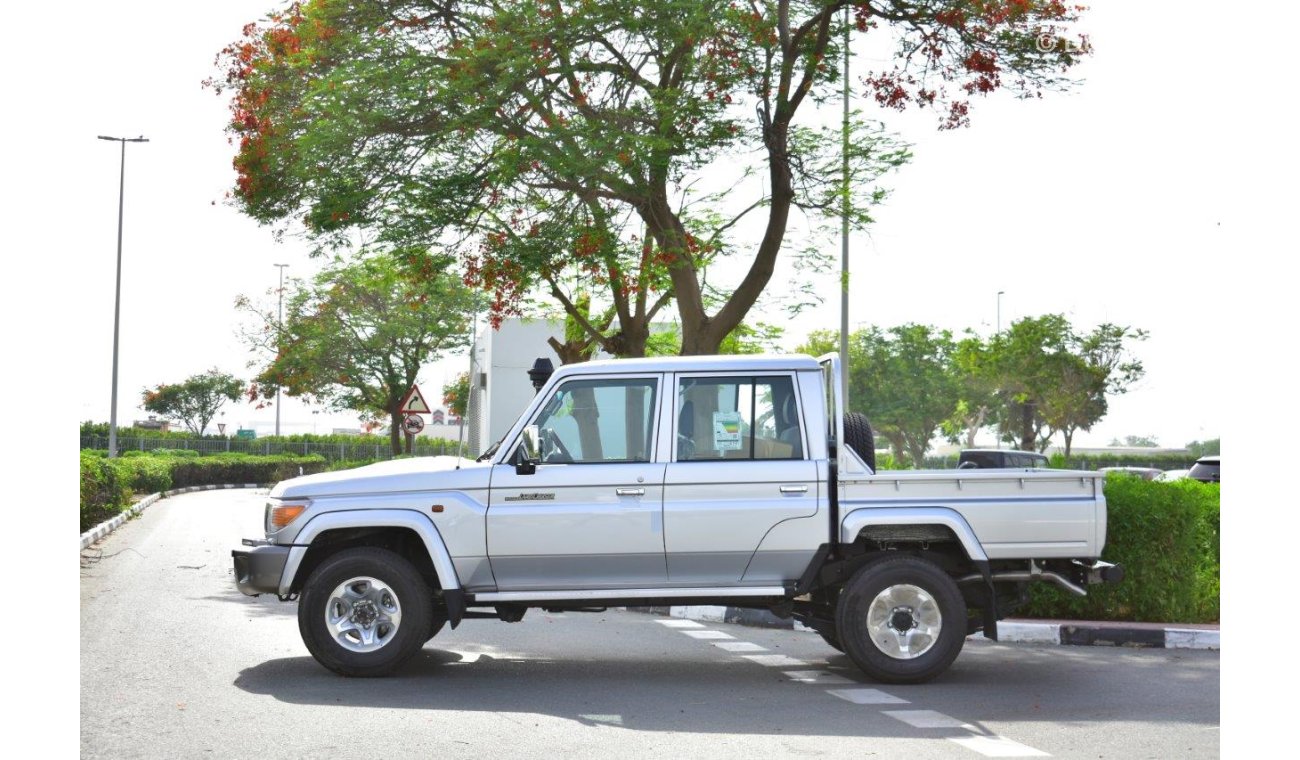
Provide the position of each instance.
(529, 450)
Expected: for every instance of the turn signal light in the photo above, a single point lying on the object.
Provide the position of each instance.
(282, 516)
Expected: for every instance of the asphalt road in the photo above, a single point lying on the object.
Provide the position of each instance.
(175, 663)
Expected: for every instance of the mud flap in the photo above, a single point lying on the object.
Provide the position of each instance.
(455, 601)
(991, 608)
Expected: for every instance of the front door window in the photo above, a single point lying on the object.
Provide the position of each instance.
(598, 421)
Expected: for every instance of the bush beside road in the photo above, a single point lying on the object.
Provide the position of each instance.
(1166, 535)
(108, 486)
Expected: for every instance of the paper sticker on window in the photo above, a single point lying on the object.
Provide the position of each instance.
(726, 431)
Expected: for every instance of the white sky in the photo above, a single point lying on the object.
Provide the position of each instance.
(1160, 194)
(1101, 203)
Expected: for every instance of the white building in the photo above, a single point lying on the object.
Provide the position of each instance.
(499, 384)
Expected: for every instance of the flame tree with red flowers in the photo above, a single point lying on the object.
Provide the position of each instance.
(604, 144)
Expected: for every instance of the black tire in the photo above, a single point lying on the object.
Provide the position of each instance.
(403, 591)
(872, 639)
(858, 435)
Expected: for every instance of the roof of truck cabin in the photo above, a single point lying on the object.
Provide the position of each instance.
(729, 363)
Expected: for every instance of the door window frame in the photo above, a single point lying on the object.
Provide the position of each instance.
(671, 422)
(655, 379)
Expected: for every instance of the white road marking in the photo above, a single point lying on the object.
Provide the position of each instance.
(738, 646)
(997, 746)
(708, 635)
(927, 719)
(775, 660)
(987, 745)
(613, 720)
(867, 697)
(679, 623)
(815, 677)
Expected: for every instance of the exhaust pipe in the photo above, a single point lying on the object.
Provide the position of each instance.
(1035, 573)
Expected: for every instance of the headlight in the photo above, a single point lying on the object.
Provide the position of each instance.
(278, 515)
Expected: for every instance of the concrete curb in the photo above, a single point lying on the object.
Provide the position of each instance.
(1073, 633)
(113, 523)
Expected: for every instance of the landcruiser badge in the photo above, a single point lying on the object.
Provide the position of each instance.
(532, 497)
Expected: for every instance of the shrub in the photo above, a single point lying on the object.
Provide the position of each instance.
(217, 469)
(107, 484)
(105, 490)
(148, 474)
(1166, 535)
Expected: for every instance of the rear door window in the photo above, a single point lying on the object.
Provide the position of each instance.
(738, 418)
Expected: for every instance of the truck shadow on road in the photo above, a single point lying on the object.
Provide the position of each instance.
(256, 606)
(726, 696)
(640, 694)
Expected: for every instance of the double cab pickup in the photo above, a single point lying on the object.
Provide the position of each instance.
(718, 480)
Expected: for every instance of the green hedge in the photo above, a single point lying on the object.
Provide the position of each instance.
(108, 485)
(105, 490)
(217, 469)
(1166, 535)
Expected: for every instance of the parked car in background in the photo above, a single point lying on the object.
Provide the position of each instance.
(1169, 475)
(1146, 473)
(1205, 470)
(1000, 459)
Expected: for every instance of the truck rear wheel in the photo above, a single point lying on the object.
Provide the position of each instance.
(364, 612)
(857, 433)
(901, 620)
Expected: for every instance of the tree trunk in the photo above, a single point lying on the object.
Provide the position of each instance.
(1028, 435)
(395, 431)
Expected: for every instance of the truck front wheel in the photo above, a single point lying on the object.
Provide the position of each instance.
(901, 620)
(364, 612)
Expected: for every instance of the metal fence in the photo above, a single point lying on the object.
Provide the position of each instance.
(332, 452)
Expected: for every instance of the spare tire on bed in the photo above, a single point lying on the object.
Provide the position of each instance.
(858, 435)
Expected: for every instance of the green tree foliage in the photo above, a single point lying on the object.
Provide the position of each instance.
(194, 401)
(977, 391)
(1036, 379)
(904, 379)
(1051, 379)
(356, 337)
(570, 142)
(1198, 449)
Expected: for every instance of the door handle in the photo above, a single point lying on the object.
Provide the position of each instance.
(794, 489)
(630, 491)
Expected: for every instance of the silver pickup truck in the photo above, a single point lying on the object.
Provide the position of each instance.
(692, 480)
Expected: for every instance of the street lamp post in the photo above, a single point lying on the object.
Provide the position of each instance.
(279, 332)
(117, 292)
(1000, 292)
(844, 231)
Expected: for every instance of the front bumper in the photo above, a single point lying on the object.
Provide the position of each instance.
(258, 570)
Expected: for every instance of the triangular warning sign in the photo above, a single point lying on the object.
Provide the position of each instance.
(414, 402)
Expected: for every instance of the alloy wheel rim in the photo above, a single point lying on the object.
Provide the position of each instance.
(904, 621)
(363, 614)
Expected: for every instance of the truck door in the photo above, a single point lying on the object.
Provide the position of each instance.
(740, 466)
(591, 516)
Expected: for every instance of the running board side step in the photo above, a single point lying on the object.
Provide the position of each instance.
(628, 593)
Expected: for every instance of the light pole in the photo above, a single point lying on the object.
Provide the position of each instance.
(279, 333)
(844, 232)
(1000, 292)
(117, 292)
